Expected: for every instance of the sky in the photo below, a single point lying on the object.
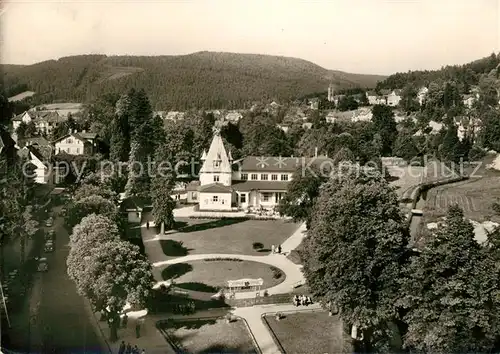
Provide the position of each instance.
(359, 36)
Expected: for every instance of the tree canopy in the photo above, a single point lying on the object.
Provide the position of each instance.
(355, 251)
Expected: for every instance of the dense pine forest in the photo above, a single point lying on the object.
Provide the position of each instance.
(202, 80)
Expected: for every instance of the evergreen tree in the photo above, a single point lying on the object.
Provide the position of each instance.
(385, 125)
(404, 146)
(449, 149)
(451, 293)
(138, 179)
(163, 204)
(120, 131)
(355, 252)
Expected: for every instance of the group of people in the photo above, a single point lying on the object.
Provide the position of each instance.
(275, 249)
(128, 349)
(302, 300)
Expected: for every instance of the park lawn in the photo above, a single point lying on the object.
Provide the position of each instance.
(309, 332)
(210, 336)
(229, 236)
(208, 276)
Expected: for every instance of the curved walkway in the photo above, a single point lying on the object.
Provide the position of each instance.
(292, 271)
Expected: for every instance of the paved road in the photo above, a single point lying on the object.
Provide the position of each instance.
(61, 321)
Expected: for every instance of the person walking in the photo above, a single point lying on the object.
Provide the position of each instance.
(124, 321)
(272, 249)
(137, 329)
(279, 249)
(122, 348)
(128, 349)
(147, 225)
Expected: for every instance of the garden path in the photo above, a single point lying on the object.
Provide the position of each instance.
(292, 271)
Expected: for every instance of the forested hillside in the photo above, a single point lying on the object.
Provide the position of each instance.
(203, 79)
(467, 74)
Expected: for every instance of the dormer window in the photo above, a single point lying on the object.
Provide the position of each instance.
(216, 163)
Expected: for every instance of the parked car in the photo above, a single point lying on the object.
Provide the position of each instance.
(50, 236)
(49, 246)
(43, 265)
(49, 222)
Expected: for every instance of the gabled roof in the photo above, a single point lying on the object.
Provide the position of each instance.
(385, 91)
(217, 152)
(215, 188)
(277, 164)
(192, 186)
(39, 140)
(80, 136)
(31, 152)
(134, 203)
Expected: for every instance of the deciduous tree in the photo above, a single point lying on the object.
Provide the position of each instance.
(355, 251)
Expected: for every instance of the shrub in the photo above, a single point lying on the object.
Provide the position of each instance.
(257, 246)
(223, 259)
(276, 272)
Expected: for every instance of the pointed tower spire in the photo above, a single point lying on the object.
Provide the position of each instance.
(204, 155)
(230, 157)
(216, 159)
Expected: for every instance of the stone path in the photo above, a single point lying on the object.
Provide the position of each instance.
(253, 316)
(293, 271)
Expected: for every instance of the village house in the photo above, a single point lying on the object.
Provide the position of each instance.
(76, 143)
(44, 170)
(233, 117)
(314, 103)
(45, 121)
(362, 115)
(174, 115)
(467, 127)
(249, 183)
(134, 207)
(468, 100)
(422, 93)
(433, 128)
(335, 116)
(394, 98)
(372, 97)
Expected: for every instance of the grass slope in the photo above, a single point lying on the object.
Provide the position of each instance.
(202, 79)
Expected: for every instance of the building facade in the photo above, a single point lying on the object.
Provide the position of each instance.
(249, 183)
(76, 143)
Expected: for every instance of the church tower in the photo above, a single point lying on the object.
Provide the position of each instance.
(216, 166)
(330, 93)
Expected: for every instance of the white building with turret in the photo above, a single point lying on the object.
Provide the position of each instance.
(253, 182)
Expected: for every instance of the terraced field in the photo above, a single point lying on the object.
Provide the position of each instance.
(474, 196)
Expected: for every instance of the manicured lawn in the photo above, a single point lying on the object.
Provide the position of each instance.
(230, 236)
(210, 275)
(210, 336)
(309, 332)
